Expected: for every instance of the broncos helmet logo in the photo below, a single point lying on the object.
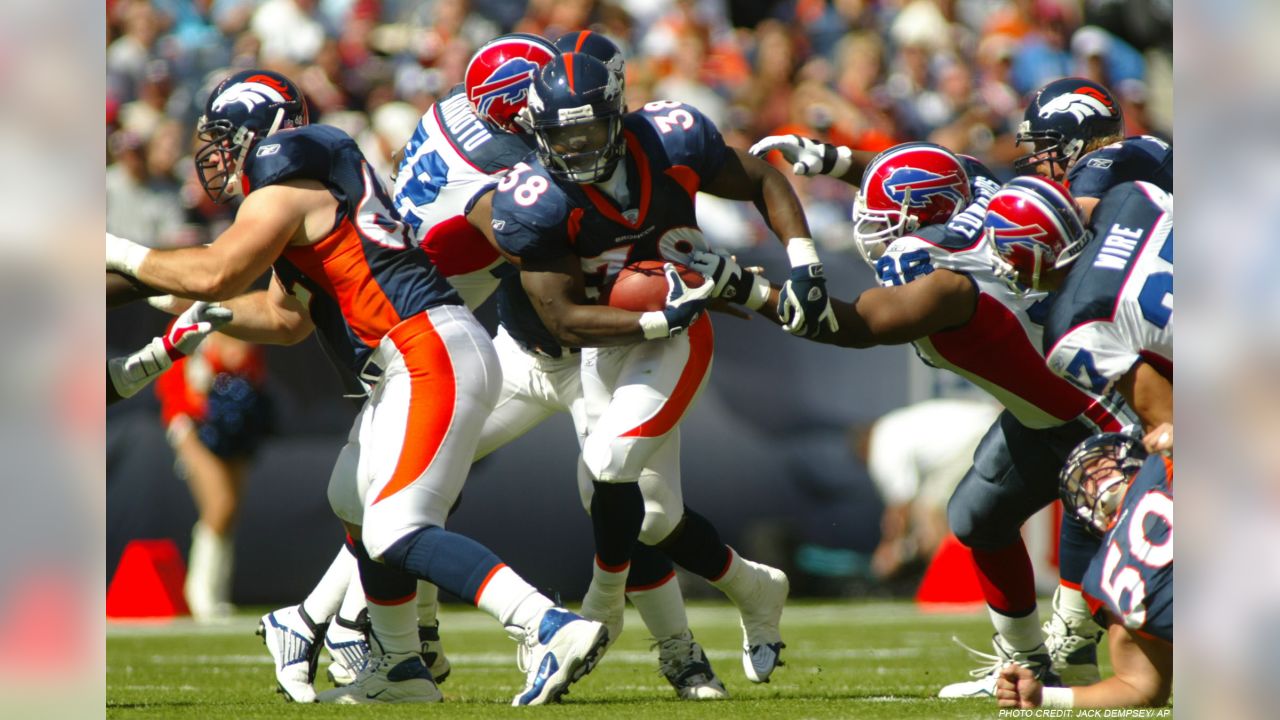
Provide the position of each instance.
(923, 185)
(508, 85)
(251, 94)
(1085, 102)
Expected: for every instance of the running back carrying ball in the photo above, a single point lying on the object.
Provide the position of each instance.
(642, 286)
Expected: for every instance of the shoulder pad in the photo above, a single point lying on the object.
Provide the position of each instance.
(531, 213)
(681, 133)
(305, 153)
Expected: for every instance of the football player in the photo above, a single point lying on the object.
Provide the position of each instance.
(1125, 496)
(1076, 128)
(343, 263)
(939, 291)
(1110, 315)
(605, 188)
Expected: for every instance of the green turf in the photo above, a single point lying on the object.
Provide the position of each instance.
(853, 659)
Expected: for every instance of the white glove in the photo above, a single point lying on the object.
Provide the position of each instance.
(125, 255)
(807, 157)
(131, 373)
(731, 281)
(684, 304)
(170, 303)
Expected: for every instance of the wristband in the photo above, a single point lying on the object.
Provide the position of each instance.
(844, 160)
(759, 294)
(125, 255)
(654, 324)
(1057, 697)
(801, 252)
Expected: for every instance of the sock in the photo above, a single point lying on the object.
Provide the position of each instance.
(208, 573)
(661, 607)
(617, 512)
(511, 600)
(1021, 633)
(696, 546)
(428, 603)
(326, 596)
(1069, 602)
(392, 610)
(1076, 548)
(608, 584)
(353, 601)
(731, 580)
(1007, 581)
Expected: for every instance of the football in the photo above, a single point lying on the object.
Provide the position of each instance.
(641, 286)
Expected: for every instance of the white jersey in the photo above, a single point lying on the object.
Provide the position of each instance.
(923, 450)
(1116, 305)
(452, 156)
(999, 349)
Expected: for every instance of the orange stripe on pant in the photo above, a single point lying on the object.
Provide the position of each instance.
(701, 347)
(432, 400)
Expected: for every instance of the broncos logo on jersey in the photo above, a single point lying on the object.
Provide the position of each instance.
(507, 86)
(923, 186)
(1084, 102)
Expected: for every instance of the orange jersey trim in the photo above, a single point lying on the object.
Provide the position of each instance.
(701, 346)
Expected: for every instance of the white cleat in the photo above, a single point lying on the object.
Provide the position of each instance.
(761, 611)
(389, 678)
(599, 607)
(984, 683)
(433, 651)
(347, 642)
(290, 637)
(558, 651)
(683, 663)
(1073, 647)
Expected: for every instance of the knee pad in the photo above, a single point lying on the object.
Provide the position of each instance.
(604, 458)
(658, 525)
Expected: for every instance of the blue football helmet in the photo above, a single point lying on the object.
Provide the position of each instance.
(597, 46)
(242, 110)
(576, 109)
(1097, 474)
(1062, 119)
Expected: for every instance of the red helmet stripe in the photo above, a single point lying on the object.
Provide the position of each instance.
(568, 69)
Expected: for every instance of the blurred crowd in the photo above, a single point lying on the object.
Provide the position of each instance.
(863, 73)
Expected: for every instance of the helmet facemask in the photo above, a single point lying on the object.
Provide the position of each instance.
(875, 230)
(221, 158)
(1060, 154)
(581, 151)
(1096, 477)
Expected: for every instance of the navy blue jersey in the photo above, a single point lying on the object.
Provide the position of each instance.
(1116, 305)
(1132, 575)
(366, 275)
(1141, 157)
(521, 321)
(671, 151)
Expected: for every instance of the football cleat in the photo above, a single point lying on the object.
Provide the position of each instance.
(388, 678)
(290, 637)
(683, 663)
(597, 606)
(984, 683)
(347, 642)
(1073, 647)
(761, 611)
(562, 649)
(433, 651)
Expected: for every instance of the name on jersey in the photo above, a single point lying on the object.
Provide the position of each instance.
(1117, 248)
(462, 123)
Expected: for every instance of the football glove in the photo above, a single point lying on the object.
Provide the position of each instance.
(133, 372)
(731, 282)
(684, 304)
(803, 305)
(807, 157)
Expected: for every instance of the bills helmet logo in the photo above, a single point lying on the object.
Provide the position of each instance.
(1009, 234)
(505, 90)
(924, 187)
(1085, 102)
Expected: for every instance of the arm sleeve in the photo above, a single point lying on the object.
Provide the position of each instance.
(529, 224)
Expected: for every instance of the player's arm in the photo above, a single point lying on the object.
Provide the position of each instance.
(122, 289)
(1143, 678)
(267, 220)
(1149, 393)
(480, 215)
(812, 157)
(556, 289)
(271, 316)
(743, 176)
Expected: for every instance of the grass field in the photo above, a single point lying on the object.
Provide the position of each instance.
(852, 659)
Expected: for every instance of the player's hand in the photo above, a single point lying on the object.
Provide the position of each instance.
(803, 304)
(807, 157)
(731, 281)
(1017, 687)
(1160, 440)
(192, 327)
(684, 304)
